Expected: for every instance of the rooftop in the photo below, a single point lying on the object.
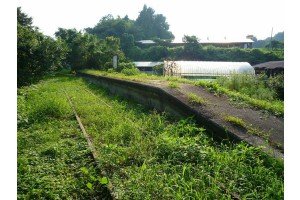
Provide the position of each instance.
(270, 65)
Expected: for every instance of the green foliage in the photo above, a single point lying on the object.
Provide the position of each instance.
(153, 25)
(146, 154)
(23, 19)
(54, 161)
(38, 54)
(147, 26)
(278, 37)
(86, 50)
(173, 85)
(277, 84)
(193, 51)
(130, 71)
(236, 121)
(158, 69)
(258, 87)
(275, 45)
(276, 107)
(195, 99)
(125, 65)
(152, 156)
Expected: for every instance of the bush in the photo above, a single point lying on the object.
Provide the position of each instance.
(124, 65)
(108, 65)
(158, 69)
(111, 70)
(252, 86)
(277, 84)
(130, 71)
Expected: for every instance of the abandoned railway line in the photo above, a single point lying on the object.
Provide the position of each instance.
(138, 151)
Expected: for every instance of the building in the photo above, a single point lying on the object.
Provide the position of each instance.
(197, 69)
(270, 68)
(147, 67)
(242, 43)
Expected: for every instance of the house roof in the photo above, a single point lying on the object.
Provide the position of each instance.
(147, 64)
(270, 65)
(146, 41)
(224, 41)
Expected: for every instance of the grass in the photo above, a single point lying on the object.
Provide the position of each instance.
(195, 99)
(173, 85)
(146, 154)
(275, 107)
(242, 124)
(261, 100)
(51, 149)
(236, 121)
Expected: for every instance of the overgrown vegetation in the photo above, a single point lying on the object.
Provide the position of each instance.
(274, 106)
(146, 154)
(195, 99)
(38, 54)
(238, 122)
(54, 161)
(258, 87)
(173, 85)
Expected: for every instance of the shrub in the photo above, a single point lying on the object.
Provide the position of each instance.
(130, 71)
(277, 84)
(158, 69)
(124, 65)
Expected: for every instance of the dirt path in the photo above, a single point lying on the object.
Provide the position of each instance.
(216, 108)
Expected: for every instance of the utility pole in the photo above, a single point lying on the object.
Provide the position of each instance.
(271, 39)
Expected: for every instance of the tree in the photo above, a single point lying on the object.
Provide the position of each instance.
(275, 45)
(88, 51)
(153, 25)
(37, 54)
(192, 47)
(23, 18)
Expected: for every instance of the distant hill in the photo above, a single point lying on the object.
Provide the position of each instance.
(263, 43)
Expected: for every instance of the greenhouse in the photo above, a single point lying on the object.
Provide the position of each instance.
(206, 68)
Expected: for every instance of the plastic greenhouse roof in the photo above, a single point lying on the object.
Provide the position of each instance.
(211, 68)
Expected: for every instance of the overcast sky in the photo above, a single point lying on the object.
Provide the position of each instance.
(216, 19)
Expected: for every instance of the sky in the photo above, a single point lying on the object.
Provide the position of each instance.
(216, 19)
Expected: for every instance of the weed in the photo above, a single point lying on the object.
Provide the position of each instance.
(145, 154)
(173, 85)
(243, 88)
(236, 121)
(195, 99)
(248, 127)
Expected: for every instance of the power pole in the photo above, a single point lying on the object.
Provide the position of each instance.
(271, 39)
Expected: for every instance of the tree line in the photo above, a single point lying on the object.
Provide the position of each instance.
(39, 54)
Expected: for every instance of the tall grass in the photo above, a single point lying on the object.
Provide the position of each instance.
(149, 156)
(146, 155)
(51, 150)
(253, 86)
(255, 92)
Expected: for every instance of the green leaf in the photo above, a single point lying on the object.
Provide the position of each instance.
(144, 166)
(84, 170)
(89, 185)
(103, 180)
